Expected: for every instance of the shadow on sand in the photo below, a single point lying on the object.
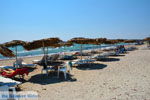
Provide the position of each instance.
(92, 66)
(110, 59)
(44, 79)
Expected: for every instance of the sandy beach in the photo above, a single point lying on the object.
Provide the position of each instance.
(125, 77)
(74, 49)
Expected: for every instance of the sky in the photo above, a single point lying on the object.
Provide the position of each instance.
(36, 19)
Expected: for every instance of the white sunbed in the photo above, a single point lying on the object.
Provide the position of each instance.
(29, 65)
(20, 62)
(113, 53)
(101, 56)
(84, 61)
(35, 61)
(11, 67)
(9, 82)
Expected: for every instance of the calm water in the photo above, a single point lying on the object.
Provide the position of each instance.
(76, 47)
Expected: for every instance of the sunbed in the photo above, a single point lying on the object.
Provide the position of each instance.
(18, 71)
(9, 82)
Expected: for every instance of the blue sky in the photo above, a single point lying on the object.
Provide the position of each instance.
(35, 19)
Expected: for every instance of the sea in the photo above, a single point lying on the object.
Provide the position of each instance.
(21, 52)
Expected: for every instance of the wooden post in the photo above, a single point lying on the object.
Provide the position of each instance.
(81, 51)
(44, 54)
(16, 64)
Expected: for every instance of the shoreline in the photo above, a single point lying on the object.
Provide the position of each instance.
(67, 52)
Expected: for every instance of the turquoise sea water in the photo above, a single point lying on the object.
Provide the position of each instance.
(21, 52)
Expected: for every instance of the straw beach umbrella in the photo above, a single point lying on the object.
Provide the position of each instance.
(120, 40)
(96, 41)
(109, 41)
(99, 41)
(81, 41)
(147, 39)
(130, 41)
(48, 42)
(41, 43)
(14, 43)
(6, 52)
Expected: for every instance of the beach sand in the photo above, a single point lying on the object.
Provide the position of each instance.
(125, 77)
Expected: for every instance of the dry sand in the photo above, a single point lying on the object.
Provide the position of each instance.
(119, 78)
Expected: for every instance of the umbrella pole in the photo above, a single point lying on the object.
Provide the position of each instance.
(44, 54)
(93, 48)
(16, 53)
(64, 50)
(47, 50)
(81, 52)
(99, 48)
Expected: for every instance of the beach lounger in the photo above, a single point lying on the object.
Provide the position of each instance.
(36, 61)
(49, 59)
(8, 67)
(20, 64)
(19, 71)
(81, 62)
(67, 57)
(53, 57)
(113, 53)
(9, 82)
(29, 65)
(109, 48)
(101, 56)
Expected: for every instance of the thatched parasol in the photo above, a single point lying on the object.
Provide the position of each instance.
(147, 39)
(41, 43)
(120, 40)
(48, 42)
(14, 43)
(100, 40)
(130, 41)
(113, 41)
(81, 40)
(61, 44)
(6, 52)
(67, 44)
